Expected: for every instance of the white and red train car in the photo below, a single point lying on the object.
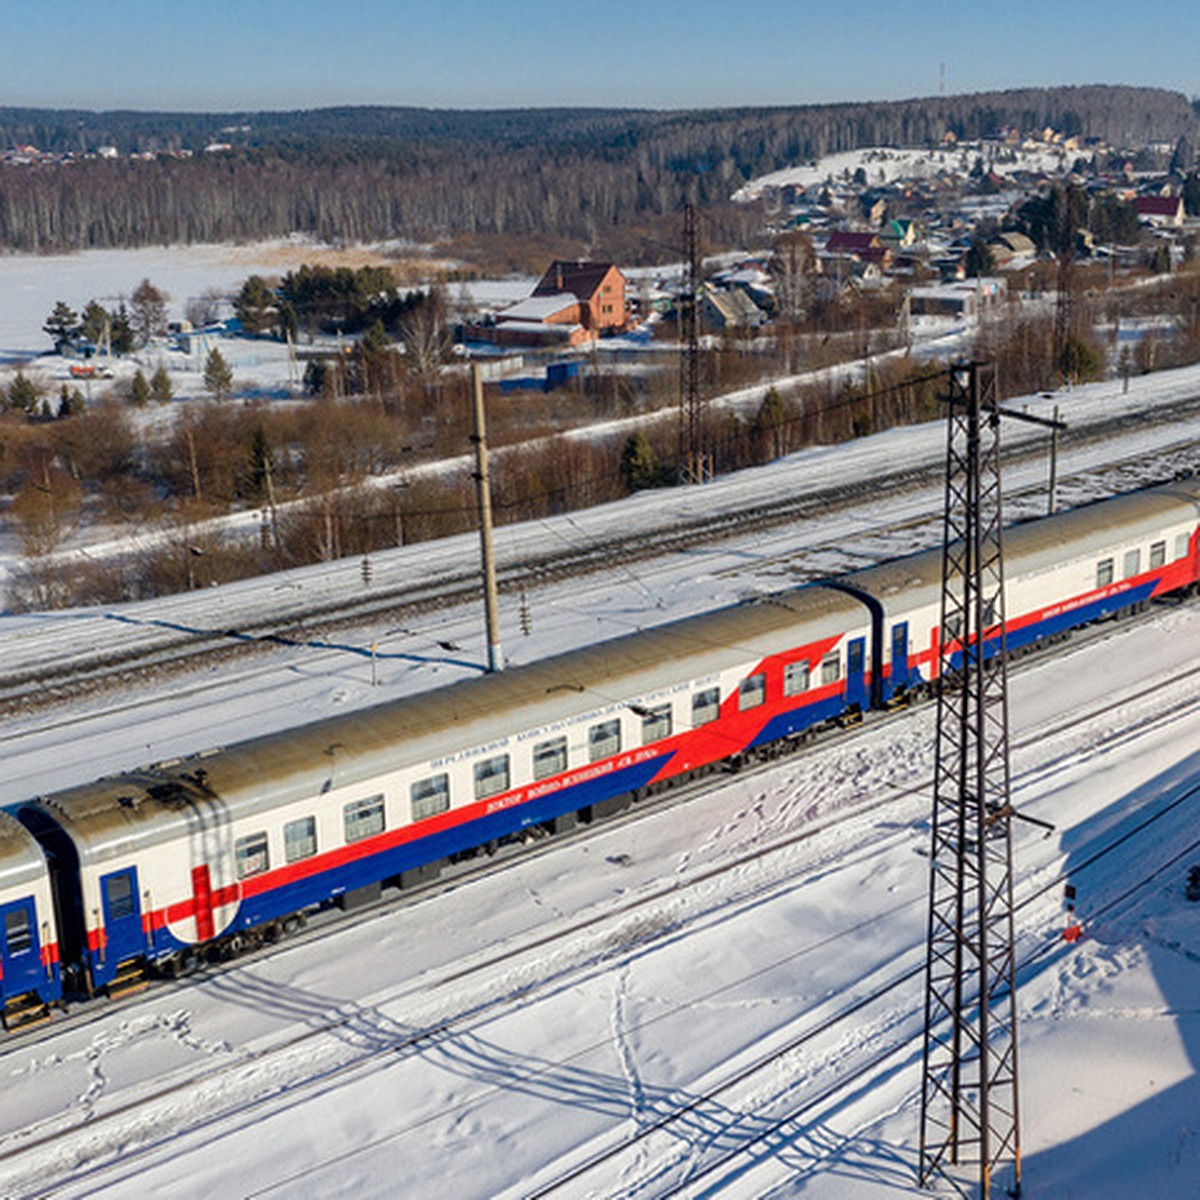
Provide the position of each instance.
(153, 867)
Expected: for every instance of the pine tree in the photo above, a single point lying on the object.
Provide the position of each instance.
(95, 322)
(62, 325)
(139, 390)
(161, 390)
(218, 378)
(120, 331)
(254, 306)
(23, 394)
(640, 466)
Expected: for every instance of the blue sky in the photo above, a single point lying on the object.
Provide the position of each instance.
(283, 54)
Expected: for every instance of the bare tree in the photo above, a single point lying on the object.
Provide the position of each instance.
(427, 336)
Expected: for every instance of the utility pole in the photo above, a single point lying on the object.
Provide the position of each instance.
(1053, 505)
(484, 497)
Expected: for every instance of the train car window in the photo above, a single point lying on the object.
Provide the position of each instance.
(604, 740)
(491, 777)
(1104, 572)
(1132, 565)
(1158, 555)
(795, 678)
(17, 933)
(300, 839)
(363, 819)
(656, 724)
(430, 796)
(549, 758)
(953, 630)
(1181, 545)
(989, 613)
(706, 706)
(752, 691)
(251, 855)
(831, 668)
(118, 896)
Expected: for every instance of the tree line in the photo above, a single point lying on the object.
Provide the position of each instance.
(369, 174)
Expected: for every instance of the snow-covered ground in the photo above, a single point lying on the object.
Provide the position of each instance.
(883, 164)
(318, 1070)
(406, 1056)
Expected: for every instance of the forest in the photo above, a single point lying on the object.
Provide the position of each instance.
(609, 181)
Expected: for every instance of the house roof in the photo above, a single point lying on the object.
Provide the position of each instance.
(852, 241)
(1158, 206)
(1017, 242)
(735, 307)
(538, 307)
(580, 278)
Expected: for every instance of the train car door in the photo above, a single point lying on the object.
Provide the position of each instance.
(19, 950)
(899, 678)
(856, 684)
(123, 937)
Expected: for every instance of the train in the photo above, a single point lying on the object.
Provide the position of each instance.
(153, 870)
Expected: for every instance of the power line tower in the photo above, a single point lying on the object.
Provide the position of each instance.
(1064, 316)
(969, 1086)
(694, 465)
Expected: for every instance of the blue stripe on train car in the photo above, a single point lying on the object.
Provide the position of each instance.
(319, 888)
(799, 719)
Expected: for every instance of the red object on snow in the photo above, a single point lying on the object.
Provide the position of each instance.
(1072, 933)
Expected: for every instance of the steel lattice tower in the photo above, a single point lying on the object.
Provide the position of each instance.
(969, 1085)
(692, 459)
(1064, 316)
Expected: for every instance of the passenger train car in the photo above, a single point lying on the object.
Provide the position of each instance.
(152, 868)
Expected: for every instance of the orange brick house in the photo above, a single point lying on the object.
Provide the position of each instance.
(573, 302)
(599, 288)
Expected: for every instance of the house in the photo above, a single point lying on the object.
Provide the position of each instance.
(859, 246)
(901, 231)
(958, 300)
(1012, 249)
(552, 319)
(729, 309)
(873, 207)
(1160, 211)
(573, 302)
(598, 287)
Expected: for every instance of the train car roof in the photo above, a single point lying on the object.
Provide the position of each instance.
(111, 816)
(21, 860)
(1076, 533)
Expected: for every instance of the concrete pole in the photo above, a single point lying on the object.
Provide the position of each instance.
(484, 496)
(1054, 463)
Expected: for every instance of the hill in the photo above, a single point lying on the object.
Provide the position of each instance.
(591, 176)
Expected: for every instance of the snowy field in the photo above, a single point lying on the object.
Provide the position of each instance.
(411, 1053)
(884, 164)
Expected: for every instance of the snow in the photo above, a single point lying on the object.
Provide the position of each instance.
(573, 1048)
(884, 164)
(298, 1071)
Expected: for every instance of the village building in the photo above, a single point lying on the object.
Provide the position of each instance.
(1160, 211)
(573, 303)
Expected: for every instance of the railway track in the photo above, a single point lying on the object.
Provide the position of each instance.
(162, 644)
(334, 1050)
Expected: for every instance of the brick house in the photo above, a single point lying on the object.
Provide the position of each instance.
(573, 302)
(599, 287)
